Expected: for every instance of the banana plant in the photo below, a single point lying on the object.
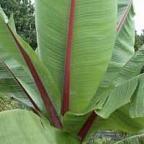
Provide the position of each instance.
(84, 76)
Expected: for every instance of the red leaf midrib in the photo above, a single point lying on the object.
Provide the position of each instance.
(90, 120)
(45, 97)
(19, 84)
(67, 72)
(86, 126)
(122, 21)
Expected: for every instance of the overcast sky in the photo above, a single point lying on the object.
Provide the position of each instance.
(139, 17)
(32, 1)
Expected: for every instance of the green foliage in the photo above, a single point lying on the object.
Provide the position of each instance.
(23, 12)
(139, 40)
(117, 138)
(73, 67)
(91, 49)
(28, 128)
(132, 139)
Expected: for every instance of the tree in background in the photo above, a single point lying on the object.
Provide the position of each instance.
(23, 12)
(139, 40)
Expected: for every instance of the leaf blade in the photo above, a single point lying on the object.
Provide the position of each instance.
(20, 126)
(44, 95)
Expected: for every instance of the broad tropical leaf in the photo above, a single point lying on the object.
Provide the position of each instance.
(71, 77)
(119, 95)
(118, 121)
(115, 91)
(10, 52)
(25, 127)
(124, 44)
(70, 121)
(137, 103)
(122, 52)
(121, 89)
(121, 120)
(132, 68)
(131, 72)
(75, 41)
(108, 91)
(10, 57)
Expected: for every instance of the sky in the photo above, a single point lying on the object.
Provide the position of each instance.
(32, 1)
(139, 17)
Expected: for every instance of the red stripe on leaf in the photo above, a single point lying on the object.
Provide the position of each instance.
(46, 100)
(89, 122)
(122, 21)
(87, 125)
(66, 90)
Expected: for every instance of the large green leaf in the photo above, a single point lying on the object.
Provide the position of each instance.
(117, 97)
(73, 123)
(7, 43)
(124, 44)
(109, 101)
(125, 84)
(137, 103)
(122, 52)
(13, 59)
(24, 127)
(119, 82)
(132, 68)
(44, 74)
(92, 43)
(118, 121)
(110, 96)
(10, 86)
(126, 88)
